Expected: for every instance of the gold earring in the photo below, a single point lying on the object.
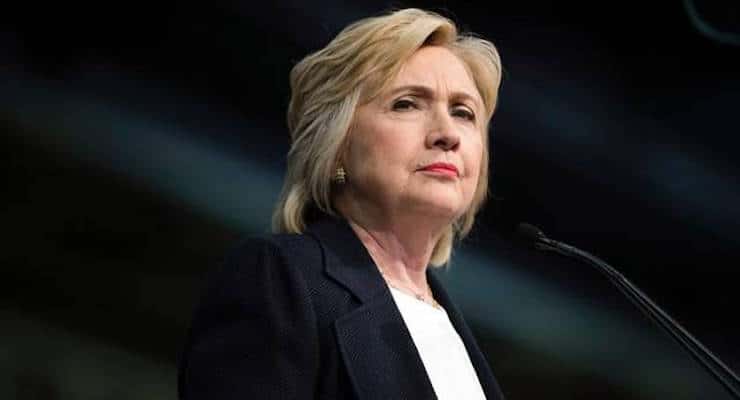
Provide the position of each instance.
(340, 176)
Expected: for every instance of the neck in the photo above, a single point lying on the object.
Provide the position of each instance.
(401, 247)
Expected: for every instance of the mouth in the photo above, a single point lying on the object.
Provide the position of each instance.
(445, 169)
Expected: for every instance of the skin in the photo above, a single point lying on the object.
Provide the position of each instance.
(431, 112)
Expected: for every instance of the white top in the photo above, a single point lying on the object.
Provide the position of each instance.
(441, 349)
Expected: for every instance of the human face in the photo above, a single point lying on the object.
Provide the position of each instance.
(416, 149)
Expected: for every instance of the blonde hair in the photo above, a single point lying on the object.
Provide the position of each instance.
(327, 86)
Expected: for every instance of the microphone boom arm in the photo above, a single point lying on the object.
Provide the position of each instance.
(698, 351)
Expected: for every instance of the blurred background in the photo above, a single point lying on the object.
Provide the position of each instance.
(141, 140)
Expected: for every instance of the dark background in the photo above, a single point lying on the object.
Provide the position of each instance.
(142, 140)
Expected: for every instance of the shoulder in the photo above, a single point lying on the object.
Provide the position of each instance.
(255, 318)
(257, 274)
(274, 251)
(263, 261)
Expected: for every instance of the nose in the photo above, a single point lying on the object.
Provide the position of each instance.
(442, 133)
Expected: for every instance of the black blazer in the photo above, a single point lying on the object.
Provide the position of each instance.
(308, 317)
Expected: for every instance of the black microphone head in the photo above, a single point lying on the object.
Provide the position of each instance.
(529, 233)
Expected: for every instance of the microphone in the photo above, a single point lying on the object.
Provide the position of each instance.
(534, 236)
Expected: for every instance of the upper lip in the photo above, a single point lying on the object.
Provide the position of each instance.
(442, 165)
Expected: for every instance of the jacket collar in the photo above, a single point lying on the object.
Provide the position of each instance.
(347, 261)
(353, 267)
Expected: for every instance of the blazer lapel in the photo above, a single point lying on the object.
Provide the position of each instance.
(380, 355)
(376, 347)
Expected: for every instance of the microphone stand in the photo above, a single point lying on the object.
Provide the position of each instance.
(699, 352)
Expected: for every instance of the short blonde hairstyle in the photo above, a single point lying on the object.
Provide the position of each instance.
(327, 86)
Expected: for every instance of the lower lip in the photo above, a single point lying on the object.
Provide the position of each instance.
(441, 172)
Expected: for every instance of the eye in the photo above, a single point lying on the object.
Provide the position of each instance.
(404, 104)
(463, 112)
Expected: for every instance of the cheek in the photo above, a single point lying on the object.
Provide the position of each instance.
(473, 164)
(474, 158)
(386, 148)
(378, 160)
(368, 154)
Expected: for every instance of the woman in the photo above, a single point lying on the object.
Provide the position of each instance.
(388, 166)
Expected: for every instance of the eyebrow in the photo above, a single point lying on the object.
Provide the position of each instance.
(426, 91)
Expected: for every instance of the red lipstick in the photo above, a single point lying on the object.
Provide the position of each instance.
(441, 168)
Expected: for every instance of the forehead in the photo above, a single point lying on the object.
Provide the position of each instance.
(439, 69)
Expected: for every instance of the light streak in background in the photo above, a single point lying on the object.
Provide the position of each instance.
(590, 142)
(234, 190)
(706, 29)
(240, 193)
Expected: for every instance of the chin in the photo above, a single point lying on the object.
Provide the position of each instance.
(444, 209)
